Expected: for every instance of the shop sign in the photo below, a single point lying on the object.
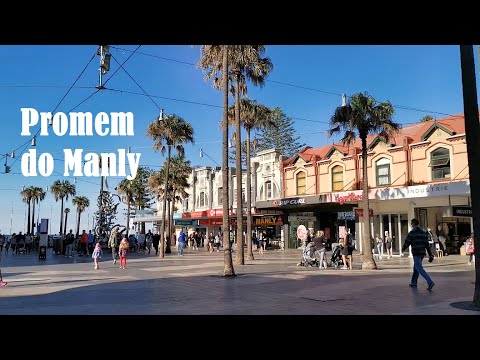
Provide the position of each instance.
(462, 211)
(359, 212)
(183, 222)
(453, 188)
(210, 222)
(194, 215)
(344, 196)
(283, 202)
(268, 221)
(346, 215)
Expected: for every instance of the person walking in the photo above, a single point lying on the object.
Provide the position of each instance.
(379, 245)
(319, 242)
(418, 240)
(91, 242)
(113, 244)
(97, 255)
(2, 283)
(470, 249)
(122, 253)
(181, 243)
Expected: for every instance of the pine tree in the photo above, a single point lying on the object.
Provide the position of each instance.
(282, 136)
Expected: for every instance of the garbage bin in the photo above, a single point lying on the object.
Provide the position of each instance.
(42, 253)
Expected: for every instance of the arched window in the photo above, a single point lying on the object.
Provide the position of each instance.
(202, 199)
(440, 164)
(337, 178)
(301, 183)
(268, 190)
(383, 172)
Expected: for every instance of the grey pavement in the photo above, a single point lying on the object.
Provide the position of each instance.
(193, 284)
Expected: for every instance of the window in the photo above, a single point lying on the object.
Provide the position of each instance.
(220, 196)
(268, 189)
(337, 178)
(243, 196)
(440, 164)
(202, 199)
(301, 183)
(383, 172)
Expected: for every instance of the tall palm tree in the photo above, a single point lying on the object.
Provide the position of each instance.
(252, 116)
(61, 190)
(247, 64)
(27, 194)
(181, 168)
(214, 61)
(38, 194)
(81, 202)
(168, 132)
(362, 116)
(126, 189)
(66, 211)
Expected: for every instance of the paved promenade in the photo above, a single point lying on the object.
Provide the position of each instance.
(193, 284)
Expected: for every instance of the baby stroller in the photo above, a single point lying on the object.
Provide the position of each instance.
(336, 259)
(308, 257)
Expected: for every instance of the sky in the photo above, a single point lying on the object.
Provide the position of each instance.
(306, 83)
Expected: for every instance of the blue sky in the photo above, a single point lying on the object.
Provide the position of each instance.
(420, 77)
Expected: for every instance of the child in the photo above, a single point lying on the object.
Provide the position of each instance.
(470, 249)
(122, 252)
(97, 255)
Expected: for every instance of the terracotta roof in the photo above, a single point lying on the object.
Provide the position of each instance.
(412, 133)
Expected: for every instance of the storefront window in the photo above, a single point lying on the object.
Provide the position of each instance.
(268, 187)
(337, 178)
(440, 164)
(301, 183)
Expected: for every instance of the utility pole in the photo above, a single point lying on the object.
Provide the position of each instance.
(472, 130)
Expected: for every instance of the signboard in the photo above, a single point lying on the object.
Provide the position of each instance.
(453, 188)
(342, 232)
(44, 226)
(293, 201)
(268, 221)
(461, 211)
(359, 212)
(346, 215)
(302, 232)
(212, 222)
(194, 215)
(183, 222)
(344, 196)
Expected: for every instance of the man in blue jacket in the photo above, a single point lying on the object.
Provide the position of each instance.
(418, 240)
(181, 243)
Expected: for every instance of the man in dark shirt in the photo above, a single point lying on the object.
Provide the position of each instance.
(418, 240)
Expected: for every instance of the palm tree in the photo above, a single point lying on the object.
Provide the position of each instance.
(27, 198)
(38, 194)
(66, 211)
(252, 116)
(181, 168)
(81, 202)
(214, 60)
(168, 132)
(61, 190)
(362, 116)
(126, 189)
(247, 64)
(142, 194)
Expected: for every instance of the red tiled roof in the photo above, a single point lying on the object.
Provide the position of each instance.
(412, 133)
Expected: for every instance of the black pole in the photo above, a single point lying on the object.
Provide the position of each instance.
(472, 131)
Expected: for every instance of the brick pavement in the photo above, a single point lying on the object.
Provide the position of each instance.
(193, 284)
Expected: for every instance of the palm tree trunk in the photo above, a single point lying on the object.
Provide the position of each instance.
(61, 218)
(78, 225)
(239, 258)
(66, 217)
(249, 201)
(368, 261)
(169, 233)
(172, 228)
(33, 219)
(164, 212)
(128, 217)
(28, 216)
(472, 128)
(227, 251)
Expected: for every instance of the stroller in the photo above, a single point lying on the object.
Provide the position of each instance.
(336, 259)
(308, 257)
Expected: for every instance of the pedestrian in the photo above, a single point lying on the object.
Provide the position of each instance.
(470, 249)
(2, 283)
(112, 243)
(97, 255)
(319, 242)
(91, 242)
(2, 242)
(418, 240)
(122, 253)
(181, 243)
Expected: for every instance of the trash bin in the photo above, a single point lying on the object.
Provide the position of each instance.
(42, 253)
